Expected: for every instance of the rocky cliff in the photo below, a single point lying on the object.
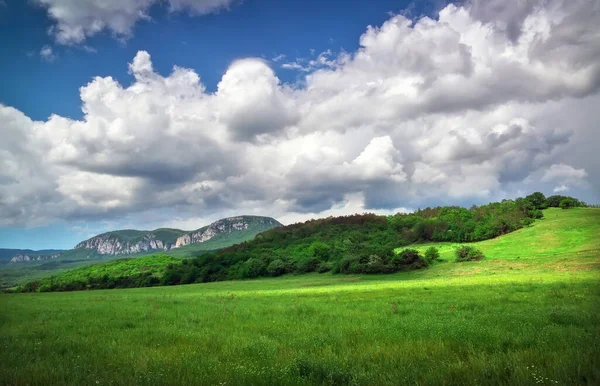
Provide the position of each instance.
(134, 241)
(112, 244)
(23, 258)
(224, 226)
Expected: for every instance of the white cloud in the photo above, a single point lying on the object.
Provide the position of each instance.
(76, 20)
(323, 60)
(47, 54)
(560, 189)
(251, 100)
(562, 172)
(461, 109)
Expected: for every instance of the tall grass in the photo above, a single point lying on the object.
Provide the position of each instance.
(517, 319)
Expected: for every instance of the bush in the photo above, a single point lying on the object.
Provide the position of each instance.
(538, 200)
(325, 266)
(320, 250)
(31, 286)
(409, 258)
(467, 253)
(308, 264)
(537, 214)
(432, 254)
(346, 265)
(255, 268)
(276, 268)
(566, 203)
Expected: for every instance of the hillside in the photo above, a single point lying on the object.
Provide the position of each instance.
(526, 314)
(120, 273)
(223, 233)
(351, 244)
(560, 233)
(129, 241)
(360, 243)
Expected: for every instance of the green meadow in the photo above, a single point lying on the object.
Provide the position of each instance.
(529, 313)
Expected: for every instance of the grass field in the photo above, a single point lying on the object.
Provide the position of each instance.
(527, 314)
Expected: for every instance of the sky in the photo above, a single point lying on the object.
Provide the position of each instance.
(174, 113)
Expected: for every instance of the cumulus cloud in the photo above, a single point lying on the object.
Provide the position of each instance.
(76, 20)
(562, 172)
(47, 54)
(251, 100)
(463, 108)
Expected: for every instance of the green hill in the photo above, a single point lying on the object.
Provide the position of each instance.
(223, 233)
(120, 273)
(359, 243)
(560, 232)
(526, 314)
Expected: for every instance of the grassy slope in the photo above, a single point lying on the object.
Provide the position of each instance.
(562, 236)
(510, 319)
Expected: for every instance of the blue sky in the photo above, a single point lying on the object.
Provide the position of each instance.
(301, 110)
(208, 44)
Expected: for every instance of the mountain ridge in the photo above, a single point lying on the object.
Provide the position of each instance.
(132, 241)
(7, 255)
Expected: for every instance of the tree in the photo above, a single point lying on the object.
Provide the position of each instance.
(567, 203)
(320, 250)
(276, 268)
(538, 200)
(255, 268)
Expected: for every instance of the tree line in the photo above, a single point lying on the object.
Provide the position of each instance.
(360, 243)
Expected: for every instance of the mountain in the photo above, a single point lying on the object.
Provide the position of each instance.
(130, 241)
(17, 255)
(22, 258)
(226, 231)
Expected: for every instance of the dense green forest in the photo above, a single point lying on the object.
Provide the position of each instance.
(362, 243)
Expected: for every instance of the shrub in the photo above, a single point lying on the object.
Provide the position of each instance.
(320, 250)
(468, 253)
(31, 286)
(325, 266)
(566, 203)
(537, 214)
(346, 265)
(308, 264)
(255, 268)
(409, 258)
(276, 268)
(538, 200)
(432, 254)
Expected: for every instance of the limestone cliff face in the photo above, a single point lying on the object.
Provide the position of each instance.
(226, 225)
(24, 258)
(132, 241)
(109, 244)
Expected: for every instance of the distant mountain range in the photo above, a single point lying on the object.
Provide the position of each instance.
(129, 241)
(18, 264)
(220, 234)
(18, 255)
